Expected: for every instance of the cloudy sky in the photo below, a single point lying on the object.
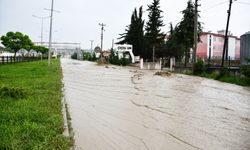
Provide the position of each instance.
(78, 19)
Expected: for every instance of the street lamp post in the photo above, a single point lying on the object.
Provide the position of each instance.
(50, 31)
(42, 18)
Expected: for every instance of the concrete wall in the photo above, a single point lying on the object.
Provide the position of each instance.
(151, 66)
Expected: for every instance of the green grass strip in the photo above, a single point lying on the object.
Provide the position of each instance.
(33, 121)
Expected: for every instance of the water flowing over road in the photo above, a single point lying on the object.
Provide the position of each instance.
(121, 108)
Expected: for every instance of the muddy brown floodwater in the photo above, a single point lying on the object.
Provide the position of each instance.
(121, 108)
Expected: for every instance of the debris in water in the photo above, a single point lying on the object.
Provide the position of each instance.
(163, 73)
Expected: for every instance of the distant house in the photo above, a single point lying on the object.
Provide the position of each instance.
(212, 45)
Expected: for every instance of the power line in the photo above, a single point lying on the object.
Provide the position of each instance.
(244, 3)
(215, 5)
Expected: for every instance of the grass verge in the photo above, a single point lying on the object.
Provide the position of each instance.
(243, 81)
(33, 121)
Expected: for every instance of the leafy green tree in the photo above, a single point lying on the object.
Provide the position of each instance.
(134, 33)
(40, 49)
(43, 50)
(14, 41)
(186, 29)
(153, 36)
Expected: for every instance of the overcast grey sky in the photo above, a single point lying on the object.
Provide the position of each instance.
(78, 20)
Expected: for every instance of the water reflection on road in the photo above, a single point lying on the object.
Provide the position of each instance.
(127, 109)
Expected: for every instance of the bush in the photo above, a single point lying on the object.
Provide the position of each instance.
(224, 72)
(89, 57)
(235, 80)
(86, 55)
(198, 67)
(74, 56)
(246, 69)
(123, 61)
(114, 59)
(12, 92)
(210, 75)
(94, 57)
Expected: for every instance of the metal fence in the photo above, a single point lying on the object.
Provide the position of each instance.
(210, 65)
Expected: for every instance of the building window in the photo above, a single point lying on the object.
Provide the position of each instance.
(214, 47)
(214, 39)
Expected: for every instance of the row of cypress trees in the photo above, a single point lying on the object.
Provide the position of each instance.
(146, 36)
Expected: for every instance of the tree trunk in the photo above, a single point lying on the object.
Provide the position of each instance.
(185, 54)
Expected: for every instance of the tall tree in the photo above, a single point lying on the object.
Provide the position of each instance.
(14, 41)
(172, 48)
(186, 29)
(153, 36)
(134, 33)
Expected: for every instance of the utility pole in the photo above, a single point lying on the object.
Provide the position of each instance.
(195, 31)
(91, 41)
(50, 30)
(226, 34)
(102, 29)
(112, 44)
(153, 59)
(42, 18)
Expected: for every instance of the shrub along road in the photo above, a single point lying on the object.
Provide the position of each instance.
(30, 106)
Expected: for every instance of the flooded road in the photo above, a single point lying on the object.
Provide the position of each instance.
(115, 108)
